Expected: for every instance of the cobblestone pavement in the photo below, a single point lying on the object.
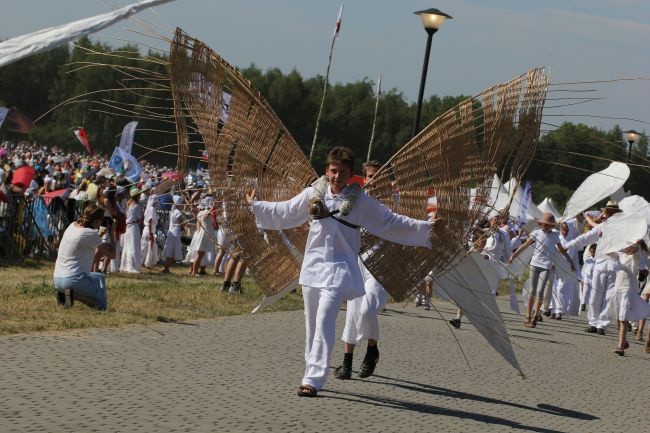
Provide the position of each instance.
(241, 373)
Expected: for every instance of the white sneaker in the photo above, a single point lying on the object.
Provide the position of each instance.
(418, 300)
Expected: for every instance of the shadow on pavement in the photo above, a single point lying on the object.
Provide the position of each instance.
(446, 392)
(433, 410)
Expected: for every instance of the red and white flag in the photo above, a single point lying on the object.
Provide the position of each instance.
(337, 28)
(83, 139)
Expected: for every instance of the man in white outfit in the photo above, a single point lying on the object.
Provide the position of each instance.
(604, 272)
(330, 271)
(362, 314)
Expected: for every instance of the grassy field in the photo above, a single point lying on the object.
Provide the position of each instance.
(28, 304)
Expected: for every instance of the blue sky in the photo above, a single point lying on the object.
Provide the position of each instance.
(486, 42)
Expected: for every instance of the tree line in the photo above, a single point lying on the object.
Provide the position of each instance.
(565, 156)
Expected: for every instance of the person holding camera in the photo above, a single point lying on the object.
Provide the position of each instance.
(73, 279)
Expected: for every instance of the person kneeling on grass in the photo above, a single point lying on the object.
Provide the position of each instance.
(330, 272)
(73, 278)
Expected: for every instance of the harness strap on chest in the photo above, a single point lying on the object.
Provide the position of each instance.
(331, 214)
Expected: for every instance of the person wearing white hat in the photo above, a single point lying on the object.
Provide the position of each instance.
(148, 246)
(201, 250)
(173, 250)
(131, 250)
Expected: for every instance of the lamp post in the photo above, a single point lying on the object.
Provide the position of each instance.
(432, 20)
(630, 137)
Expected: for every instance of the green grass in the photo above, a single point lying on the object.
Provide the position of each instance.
(28, 304)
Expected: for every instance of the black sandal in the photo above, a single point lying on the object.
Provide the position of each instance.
(307, 391)
(368, 366)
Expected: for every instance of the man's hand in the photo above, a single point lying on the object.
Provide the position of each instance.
(251, 196)
(437, 223)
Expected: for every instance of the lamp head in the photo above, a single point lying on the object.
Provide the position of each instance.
(432, 19)
(631, 136)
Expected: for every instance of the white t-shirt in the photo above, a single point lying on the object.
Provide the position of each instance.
(545, 252)
(76, 251)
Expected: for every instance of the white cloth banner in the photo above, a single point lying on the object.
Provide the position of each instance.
(469, 283)
(621, 231)
(3, 114)
(19, 47)
(126, 139)
(595, 188)
(522, 217)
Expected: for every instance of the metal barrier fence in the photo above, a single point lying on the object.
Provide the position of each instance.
(31, 227)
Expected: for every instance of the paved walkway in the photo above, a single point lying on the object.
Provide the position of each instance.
(240, 374)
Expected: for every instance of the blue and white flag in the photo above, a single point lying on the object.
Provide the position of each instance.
(123, 162)
(522, 218)
(126, 140)
(3, 114)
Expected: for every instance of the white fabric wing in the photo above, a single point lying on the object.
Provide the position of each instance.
(636, 204)
(19, 47)
(620, 231)
(469, 283)
(595, 188)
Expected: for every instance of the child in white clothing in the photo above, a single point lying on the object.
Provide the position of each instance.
(546, 242)
(587, 274)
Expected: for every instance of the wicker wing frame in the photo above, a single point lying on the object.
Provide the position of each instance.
(456, 156)
(248, 148)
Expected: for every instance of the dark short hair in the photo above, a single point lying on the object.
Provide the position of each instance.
(374, 163)
(342, 155)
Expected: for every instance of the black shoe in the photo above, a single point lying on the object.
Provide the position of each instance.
(368, 365)
(226, 286)
(601, 331)
(547, 313)
(553, 316)
(343, 372)
(591, 330)
(455, 323)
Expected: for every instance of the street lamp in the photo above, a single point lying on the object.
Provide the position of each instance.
(630, 136)
(432, 20)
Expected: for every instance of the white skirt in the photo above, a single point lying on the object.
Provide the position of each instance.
(173, 247)
(626, 306)
(148, 250)
(131, 252)
(201, 242)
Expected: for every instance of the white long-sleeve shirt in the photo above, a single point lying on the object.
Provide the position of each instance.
(332, 248)
(497, 246)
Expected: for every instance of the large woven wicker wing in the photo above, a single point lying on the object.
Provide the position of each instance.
(456, 157)
(248, 147)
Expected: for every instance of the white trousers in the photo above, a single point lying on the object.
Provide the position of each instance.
(321, 308)
(602, 284)
(362, 315)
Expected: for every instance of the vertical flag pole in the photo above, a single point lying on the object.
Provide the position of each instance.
(374, 119)
(327, 74)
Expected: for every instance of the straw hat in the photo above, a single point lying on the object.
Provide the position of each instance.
(548, 219)
(611, 207)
